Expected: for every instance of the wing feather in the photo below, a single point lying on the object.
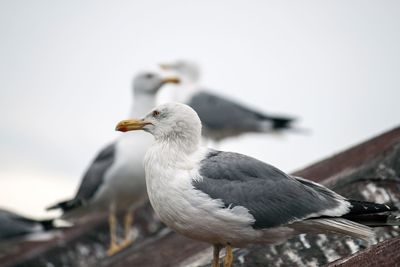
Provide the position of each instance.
(271, 196)
(92, 180)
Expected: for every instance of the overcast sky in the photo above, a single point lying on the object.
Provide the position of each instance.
(66, 69)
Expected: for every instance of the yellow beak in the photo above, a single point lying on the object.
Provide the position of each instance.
(131, 125)
(170, 80)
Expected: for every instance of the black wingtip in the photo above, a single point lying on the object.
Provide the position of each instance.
(364, 207)
(372, 214)
(375, 220)
(48, 224)
(65, 205)
(280, 123)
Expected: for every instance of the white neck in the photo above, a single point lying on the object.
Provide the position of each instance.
(164, 155)
(184, 145)
(142, 103)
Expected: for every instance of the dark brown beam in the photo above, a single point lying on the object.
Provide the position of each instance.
(351, 158)
(384, 254)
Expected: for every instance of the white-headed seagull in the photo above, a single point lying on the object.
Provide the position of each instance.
(115, 181)
(221, 117)
(231, 200)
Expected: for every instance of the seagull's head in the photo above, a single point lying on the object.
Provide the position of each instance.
(150, 83)
(188, 70)
(172, 122)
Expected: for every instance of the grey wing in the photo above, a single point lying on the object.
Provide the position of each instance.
(13, 225)
(271, 196)
(94, 175)
(218, 113)
(92, 180)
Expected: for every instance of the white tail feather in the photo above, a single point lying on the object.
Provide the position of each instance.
(336, 225)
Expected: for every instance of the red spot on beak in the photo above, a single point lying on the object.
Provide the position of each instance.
(123, 129)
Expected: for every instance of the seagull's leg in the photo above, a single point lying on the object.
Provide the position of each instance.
(112, 221)
(217, 248)
(228, 256)
(128, 221)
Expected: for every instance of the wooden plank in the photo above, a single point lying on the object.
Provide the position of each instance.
(351, 158)
(386, 253)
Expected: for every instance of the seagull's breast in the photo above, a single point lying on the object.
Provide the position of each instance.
(124, 182)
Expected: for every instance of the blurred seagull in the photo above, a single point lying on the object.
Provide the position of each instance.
(229, 199)
(115, 180)
(221, 117)
(14, 226)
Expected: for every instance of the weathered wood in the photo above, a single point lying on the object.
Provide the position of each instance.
(368, 171)
(351, 158)
(83, 245)
(386, 253)
(157, 250)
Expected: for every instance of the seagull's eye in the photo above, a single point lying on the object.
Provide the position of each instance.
(156, 113)
(149, 76)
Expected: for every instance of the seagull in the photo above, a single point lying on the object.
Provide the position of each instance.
(115, 180)
(14, 226)
(231, 200)
(221, 117)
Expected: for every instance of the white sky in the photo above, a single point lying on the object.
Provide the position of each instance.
(66, 69)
